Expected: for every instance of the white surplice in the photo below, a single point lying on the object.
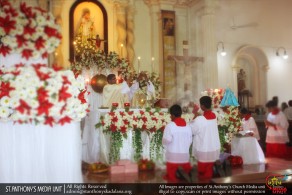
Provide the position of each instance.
(206, 143)
(250, 125)
(280, 134)
(177, 141)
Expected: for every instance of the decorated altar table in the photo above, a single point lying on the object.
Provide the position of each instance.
(40, 153)
(127, 150)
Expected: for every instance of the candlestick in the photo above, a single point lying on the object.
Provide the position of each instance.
(122, 47)
(139, 58)
(152, 64)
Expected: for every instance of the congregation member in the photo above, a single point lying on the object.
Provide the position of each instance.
(277, 135)
(177, 138)
(248, 123)
(206, 143)
(288, 111)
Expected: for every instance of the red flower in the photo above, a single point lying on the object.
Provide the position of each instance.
(42, 76)
(113, 128)
(49, 121)
(123, 129)
(42, 95)
(27, 53)
(7, 24)
(19, 65)
(126, 122)
(4, 50)
(111, 113)
(5, 89)
(63, 109)
(115, 119)
(63, 95)
(27, 11)
(28, 30)
(45, 55)
(64, 120)
(23, 107)
(39, 43)
(122, 114)
(51, 32)
(144, 127)
(154, 119)
(44, 107)
(20, 40)
(4, 3)
(81, 97)
(144, 119)
(10, 10)
(56, 67)
(142, 112)
(65, 80)
(15, 72)
(130, 113)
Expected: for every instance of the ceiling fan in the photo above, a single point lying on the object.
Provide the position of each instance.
(235, 26)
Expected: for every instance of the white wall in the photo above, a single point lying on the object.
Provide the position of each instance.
(274, 30)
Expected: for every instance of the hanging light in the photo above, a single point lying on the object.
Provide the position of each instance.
(285, 55)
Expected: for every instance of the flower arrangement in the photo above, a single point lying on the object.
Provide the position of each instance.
(29, 31)
(146, 165)
(38, 94)
(216, 95)
(152, 121)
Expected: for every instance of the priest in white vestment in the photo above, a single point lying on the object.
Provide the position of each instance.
(277, 133)
(115, 93)
(206, 143)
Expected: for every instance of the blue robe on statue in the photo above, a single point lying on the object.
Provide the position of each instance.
(229, 99)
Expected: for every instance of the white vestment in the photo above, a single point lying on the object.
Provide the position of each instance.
(206, 143)
(280, 134)
(250, 125)
(177, 141)
(135, 87)
(115, 93)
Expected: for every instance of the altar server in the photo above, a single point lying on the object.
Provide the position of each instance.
(177, 138)
(206, 143)
(248, 123)
(277, 133)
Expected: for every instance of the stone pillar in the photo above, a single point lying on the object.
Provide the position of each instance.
(121, 26)
(210, 68)
(57, 6)
(130, 35)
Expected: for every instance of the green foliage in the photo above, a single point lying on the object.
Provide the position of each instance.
(137, 144)
(156, 146)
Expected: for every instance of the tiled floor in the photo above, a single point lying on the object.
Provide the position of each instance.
(272, 164)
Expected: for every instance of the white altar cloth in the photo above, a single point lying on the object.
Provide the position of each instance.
(40, 154)
(249, 149)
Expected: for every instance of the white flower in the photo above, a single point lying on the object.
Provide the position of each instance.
(4, 112)
(5, 101)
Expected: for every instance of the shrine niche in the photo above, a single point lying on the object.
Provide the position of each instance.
(251, 67)
(88, 27)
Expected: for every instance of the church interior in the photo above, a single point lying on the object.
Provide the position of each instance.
(188, 49)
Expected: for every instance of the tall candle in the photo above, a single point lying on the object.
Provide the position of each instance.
(152, 64)
(139, 58)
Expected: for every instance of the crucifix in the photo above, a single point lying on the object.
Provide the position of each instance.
(184, 79)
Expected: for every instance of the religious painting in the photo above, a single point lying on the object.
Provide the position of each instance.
(88, 27)
(168, 38)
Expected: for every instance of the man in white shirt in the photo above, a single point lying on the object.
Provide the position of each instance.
(248, 123)
(206, 143)
(277, 133)
(177, 138)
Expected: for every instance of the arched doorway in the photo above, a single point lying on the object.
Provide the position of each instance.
(98, 17)
(251, 65)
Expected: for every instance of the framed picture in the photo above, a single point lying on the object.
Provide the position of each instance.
(88, 25)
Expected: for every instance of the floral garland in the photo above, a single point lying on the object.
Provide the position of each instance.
(41, 95)
(152, 121)
(29, 31)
